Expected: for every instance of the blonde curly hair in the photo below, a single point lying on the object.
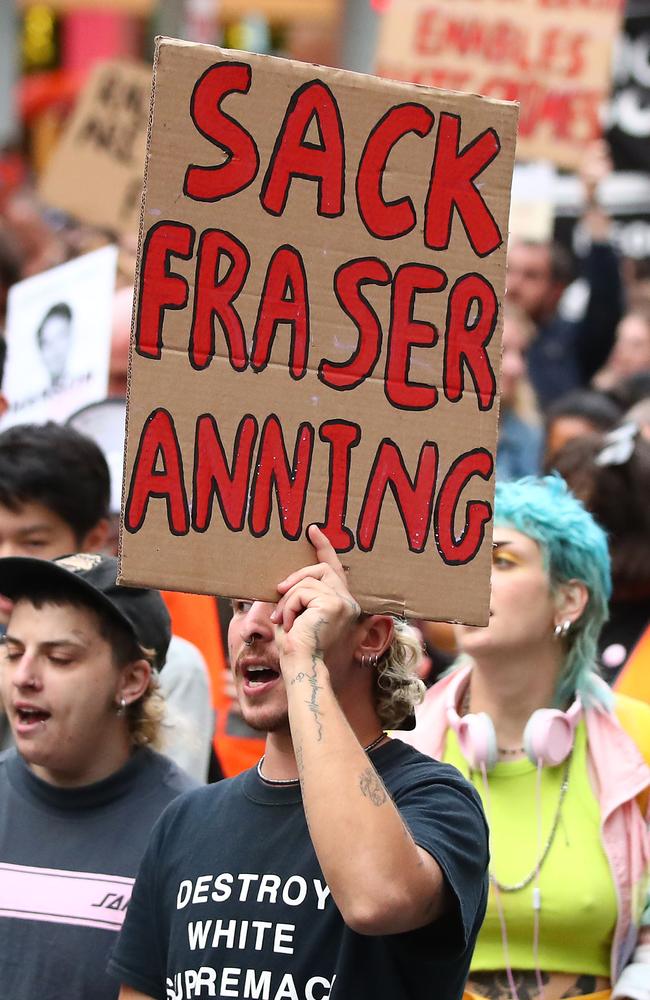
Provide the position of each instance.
(398, 689)
(144, 717)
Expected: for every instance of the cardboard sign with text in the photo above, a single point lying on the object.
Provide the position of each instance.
(96, 171)
(553, 56)
(316, 333)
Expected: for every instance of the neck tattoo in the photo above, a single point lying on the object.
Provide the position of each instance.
(296, 781)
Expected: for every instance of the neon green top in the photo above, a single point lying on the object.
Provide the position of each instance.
(578, 896)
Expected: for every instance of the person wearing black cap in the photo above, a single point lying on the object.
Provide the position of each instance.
(42, 514)
(82, 789)
(345, 864)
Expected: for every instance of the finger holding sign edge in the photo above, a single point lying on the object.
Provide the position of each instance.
(305, 583)
(319, 571)
(326, 559)
(325, 551)
(295, 602)
(328, 571)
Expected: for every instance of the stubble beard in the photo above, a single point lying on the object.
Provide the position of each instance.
(264, 719)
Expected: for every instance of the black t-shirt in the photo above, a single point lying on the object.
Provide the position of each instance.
(68, 860)
(230, 900)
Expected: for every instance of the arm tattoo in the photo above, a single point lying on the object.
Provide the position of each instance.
(312, 680)
(354, 605)
(371, 787)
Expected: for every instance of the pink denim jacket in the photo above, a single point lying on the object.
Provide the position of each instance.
(619, 774)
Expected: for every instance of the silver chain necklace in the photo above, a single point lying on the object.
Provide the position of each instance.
(524, 882)
(296, 781)
(517, 886)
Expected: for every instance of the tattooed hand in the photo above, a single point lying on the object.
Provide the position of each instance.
(316, 610)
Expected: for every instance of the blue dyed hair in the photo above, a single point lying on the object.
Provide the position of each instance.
(574, 547)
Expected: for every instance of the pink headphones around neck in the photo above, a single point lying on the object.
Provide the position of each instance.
(548, 736)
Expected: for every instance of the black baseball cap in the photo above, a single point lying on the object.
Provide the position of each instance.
(140, 610)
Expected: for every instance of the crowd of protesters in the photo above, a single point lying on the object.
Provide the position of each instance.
(116, 701)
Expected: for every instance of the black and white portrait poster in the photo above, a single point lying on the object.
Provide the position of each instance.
(58, 339)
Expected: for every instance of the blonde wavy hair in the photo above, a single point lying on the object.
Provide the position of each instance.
(144, 717)
(398, 689)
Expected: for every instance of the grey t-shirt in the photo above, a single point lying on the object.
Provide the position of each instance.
(68, 859)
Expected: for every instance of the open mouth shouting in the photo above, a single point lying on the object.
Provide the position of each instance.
(29, 718)
(258, 677)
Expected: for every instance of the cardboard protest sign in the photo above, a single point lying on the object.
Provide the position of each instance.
(58, 339)
(95, 173)
(551, 55)
(316, 332)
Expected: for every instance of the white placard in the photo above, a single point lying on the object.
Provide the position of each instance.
(58, 339)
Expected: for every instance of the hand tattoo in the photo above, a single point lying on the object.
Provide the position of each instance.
(371, 787)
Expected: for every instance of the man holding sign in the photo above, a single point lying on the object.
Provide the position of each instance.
(346, 865)
(316, 343)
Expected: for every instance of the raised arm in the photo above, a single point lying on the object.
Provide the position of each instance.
(600, 268)
(381, 881)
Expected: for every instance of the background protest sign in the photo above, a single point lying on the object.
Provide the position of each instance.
(627, 116)
(96, 171)
(551, 55)
(316, 332)
(58, 339)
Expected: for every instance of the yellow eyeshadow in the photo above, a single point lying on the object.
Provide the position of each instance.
(508, 556)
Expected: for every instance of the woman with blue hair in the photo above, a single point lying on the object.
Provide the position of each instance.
(560, 762)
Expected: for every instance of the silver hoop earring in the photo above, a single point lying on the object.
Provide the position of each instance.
(122, 706)
(369, 661)
(562, 629)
